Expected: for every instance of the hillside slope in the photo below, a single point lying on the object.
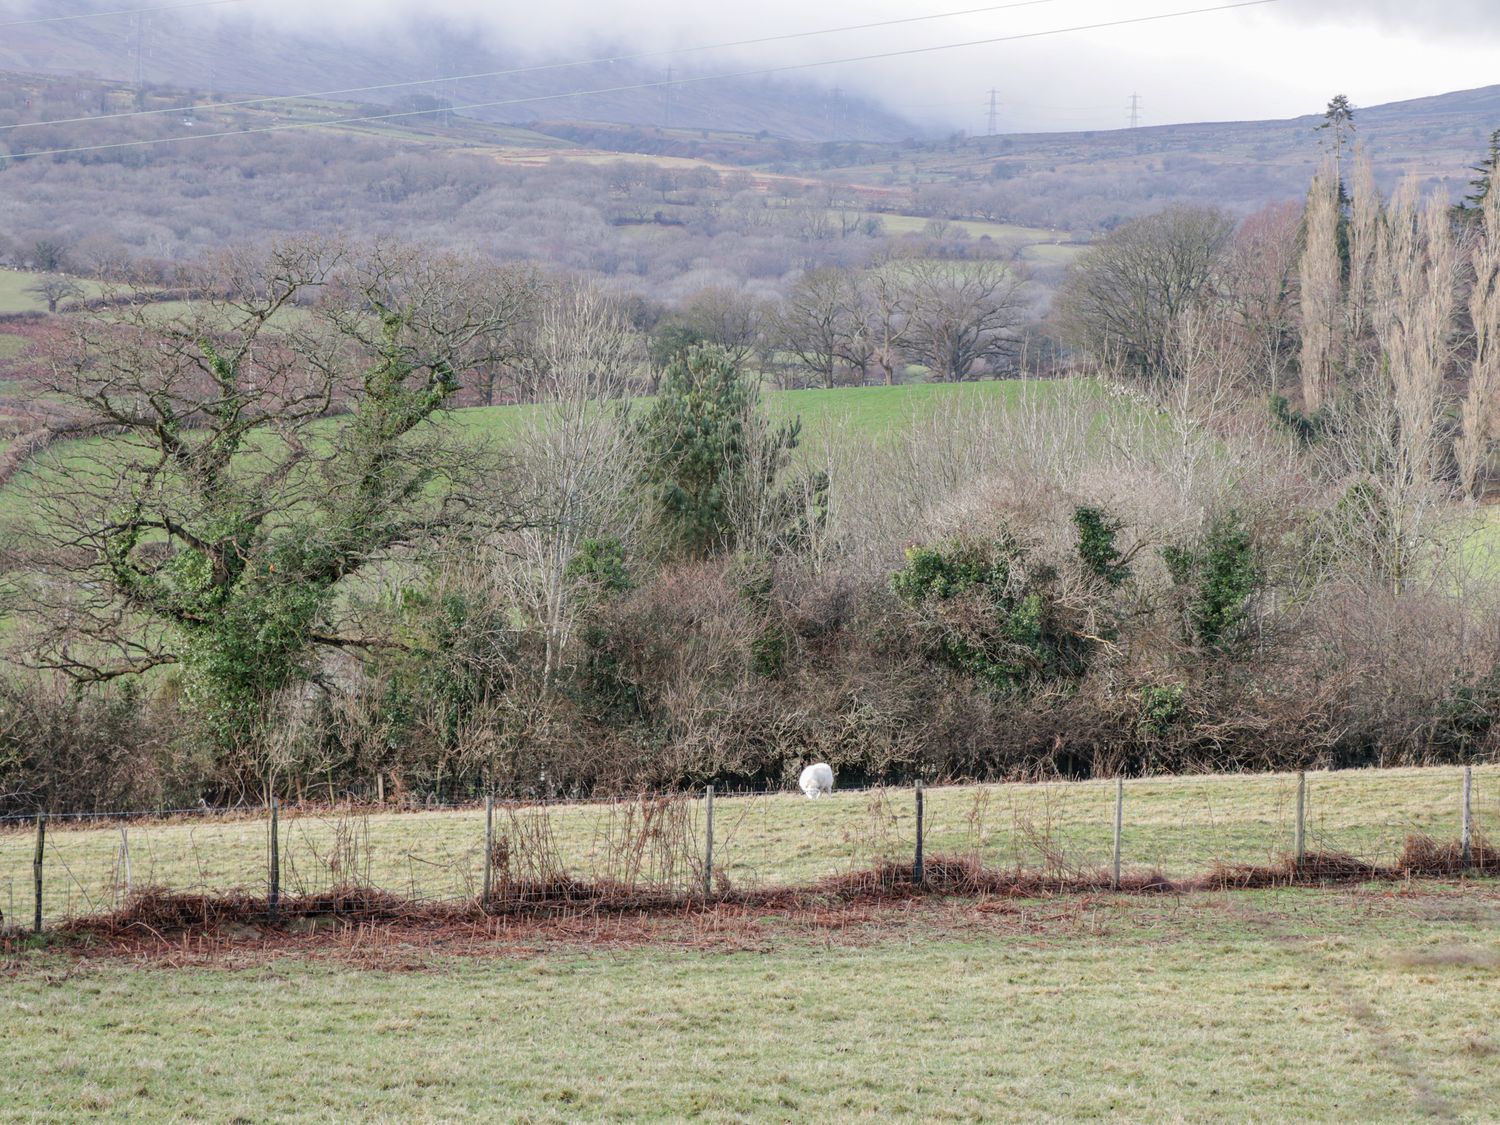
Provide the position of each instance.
(1093, 179)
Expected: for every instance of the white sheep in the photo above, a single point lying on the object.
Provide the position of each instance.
(816, 780)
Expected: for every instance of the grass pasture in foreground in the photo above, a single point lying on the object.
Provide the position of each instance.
(1180, 826)
(1306, 1005)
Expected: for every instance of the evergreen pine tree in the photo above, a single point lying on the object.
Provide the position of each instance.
(1338, 119)
(1486, 169)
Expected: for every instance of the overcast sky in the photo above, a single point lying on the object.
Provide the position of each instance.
(1277, 59)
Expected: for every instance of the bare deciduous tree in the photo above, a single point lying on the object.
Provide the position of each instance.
(1320, 290)
(1482, 402)
(1261, 272)
(1415, 293)
(1125, 292)
(575, 453)
(1384, 439)
(962, 315)
(1366, 209)
(54, 288)
(817, 320)
(887, 312)
(726, 317)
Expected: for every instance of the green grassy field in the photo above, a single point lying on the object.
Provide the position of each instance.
(882, 411)
(1305, 1005)
(855, 412)
(1479, 546)
(975, 228)
(1035, 243)
(15, 299)
(1181, 826)
(13, 295)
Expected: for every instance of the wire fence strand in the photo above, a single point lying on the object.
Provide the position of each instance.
(654, 846)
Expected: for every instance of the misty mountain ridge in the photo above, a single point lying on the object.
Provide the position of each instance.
(233, 52)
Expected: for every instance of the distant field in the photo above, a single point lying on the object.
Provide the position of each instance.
(858, 411)
(1181, 826)
(1479, 542)
(13, 295)
(976, 228)
(11, 345)
(15, 299)
(1053, 253)
(875, 411)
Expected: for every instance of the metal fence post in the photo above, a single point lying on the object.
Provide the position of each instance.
(489, 846)
(1468, 824)
(708, 847)
(1301, 834)
(36, 867)
(274, 900)
(1114, 877)
(918, 874)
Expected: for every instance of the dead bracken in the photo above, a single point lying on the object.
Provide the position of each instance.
(156, 921)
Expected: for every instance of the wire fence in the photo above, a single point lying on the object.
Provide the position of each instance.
(662, 847)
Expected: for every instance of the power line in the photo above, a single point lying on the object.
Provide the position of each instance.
(1067, 108)
(636, 86)
(1135, 110)
(540, 67)
(120, 12)
(932, 105)
(993, 111)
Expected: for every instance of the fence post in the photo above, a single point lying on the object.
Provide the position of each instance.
(708, 849)
(1114, 876)
(125, 857)
(1301, 834)
(918, 874)
(380, 787)
(489, 846)
(274, 901)
(36, 867)
(1468, 827)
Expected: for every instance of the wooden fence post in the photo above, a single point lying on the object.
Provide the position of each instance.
(1468, 824)
(918, 874)
(1301, 833)
(1114, 877)
(708, 847)
(489, 847)
(125, 857)
(36, 867)
(380, 787)
(274, 900)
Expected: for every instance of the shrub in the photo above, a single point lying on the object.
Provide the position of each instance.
(601, 563)
(994, 611)
(105, 749)
(1096, 545)
(1161, 707)
(1217, 575)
